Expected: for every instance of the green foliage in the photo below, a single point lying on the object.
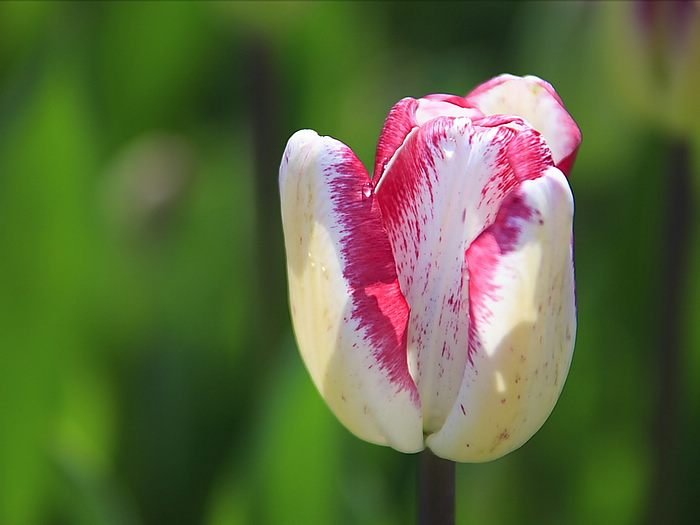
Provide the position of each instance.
(148, 372)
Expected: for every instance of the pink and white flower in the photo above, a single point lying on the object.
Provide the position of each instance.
(434, 303)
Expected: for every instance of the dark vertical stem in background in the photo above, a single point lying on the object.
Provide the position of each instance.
(264, 110)
(676, 235)
(436, 490)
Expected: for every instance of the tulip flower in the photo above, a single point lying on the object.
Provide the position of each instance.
(434, 303)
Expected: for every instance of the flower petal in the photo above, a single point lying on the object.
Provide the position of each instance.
(523, 322)
(409, 113)
(537, 102)
(443, 187)
(348, 312)
(398, 124)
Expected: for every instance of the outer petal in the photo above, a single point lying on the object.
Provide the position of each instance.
(537, 102)
(523, 324)
(348, 312)
(443, 187)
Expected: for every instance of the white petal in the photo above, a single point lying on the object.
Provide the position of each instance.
(523, 322)
(537, 102)
(348, 312)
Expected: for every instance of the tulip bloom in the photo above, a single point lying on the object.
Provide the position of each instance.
(433, 304)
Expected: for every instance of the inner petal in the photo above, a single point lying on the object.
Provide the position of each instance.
(410, 113)
(537, 102)
(437, 106)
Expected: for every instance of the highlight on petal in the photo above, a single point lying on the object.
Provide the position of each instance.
(523, 323)
(348, 312)
(441, 189)
(539, 104)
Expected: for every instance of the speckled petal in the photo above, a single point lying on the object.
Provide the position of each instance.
(523, 323)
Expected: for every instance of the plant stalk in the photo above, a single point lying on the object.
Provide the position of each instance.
(436, 490)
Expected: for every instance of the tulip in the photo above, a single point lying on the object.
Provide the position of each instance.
(434, 303)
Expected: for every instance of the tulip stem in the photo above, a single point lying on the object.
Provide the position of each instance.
(436, 490)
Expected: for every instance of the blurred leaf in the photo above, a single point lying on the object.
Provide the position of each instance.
(44, 274)
(152, 59)
(612, 484)
(21, 27)
(82, 496)
(295, 445)
(230, 503)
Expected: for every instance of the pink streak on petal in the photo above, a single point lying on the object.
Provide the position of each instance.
(567, 163)
(398, 124)
(493, 121)
(409, 113)
(483, 256)
(525, 156)
(430, 108)
(452, 99)
(378, 304)
(528, 155)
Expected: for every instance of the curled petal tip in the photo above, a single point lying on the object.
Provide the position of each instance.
(536, 101)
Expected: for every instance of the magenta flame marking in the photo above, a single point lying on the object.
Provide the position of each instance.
(378, 304)
(484, 257)
(399, 123)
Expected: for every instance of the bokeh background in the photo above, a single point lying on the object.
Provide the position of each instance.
(148, 372)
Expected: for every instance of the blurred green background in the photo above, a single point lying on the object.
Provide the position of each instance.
(148, 373)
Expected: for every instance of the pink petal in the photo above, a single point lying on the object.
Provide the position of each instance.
(398, 124)
(348, 312)
(537, 102)
(523, 322)
(409, 113)
(443, 187)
